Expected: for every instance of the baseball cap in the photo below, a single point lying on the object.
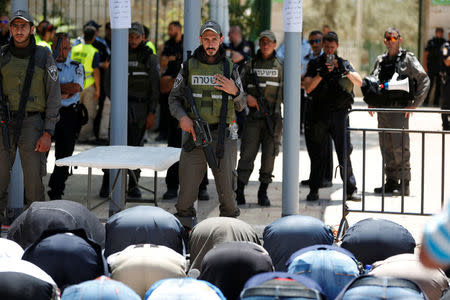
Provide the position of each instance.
(137, 28)
(331, 36)
(20, 14)
(211, 25)
(100, 288)
(93, 24)
(268, 34)
(87, 29)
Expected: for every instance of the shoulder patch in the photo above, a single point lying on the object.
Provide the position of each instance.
(73, 62)
(53, 72)
(79, 70)
(178, 80)
(246, 49)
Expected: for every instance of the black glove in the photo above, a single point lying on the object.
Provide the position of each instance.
(342, 68)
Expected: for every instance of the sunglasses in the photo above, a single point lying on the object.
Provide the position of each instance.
(318, 41)
(4, 21)
(391, 38)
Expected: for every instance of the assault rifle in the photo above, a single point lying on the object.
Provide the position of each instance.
(262, 103)
(202, 133)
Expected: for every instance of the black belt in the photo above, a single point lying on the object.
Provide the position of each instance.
(383, 281)
(14, 114)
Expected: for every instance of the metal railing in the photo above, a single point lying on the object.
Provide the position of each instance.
(343, 226)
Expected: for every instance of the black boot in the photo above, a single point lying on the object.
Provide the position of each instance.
(133, 189)
(171, 193)
(263, 200)
(240, 197)
(389, 187)
(203, 195)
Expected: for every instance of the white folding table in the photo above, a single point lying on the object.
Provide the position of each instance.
(123, 158)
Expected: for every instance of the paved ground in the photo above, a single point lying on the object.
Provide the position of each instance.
(329, 207)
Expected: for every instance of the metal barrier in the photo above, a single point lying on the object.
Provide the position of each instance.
(343, 226)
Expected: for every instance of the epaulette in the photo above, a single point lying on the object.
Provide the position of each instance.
(73, 62)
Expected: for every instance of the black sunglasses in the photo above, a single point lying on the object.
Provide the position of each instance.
(318, 41)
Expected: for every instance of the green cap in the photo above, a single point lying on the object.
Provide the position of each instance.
(211, 25)
(268, 34)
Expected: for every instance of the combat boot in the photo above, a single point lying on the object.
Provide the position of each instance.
(389, 187)
(240, 197)
(263, 200)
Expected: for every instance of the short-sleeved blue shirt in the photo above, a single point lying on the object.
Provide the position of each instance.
(70, 72)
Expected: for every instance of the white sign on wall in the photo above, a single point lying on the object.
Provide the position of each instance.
(120, 14)
(292, 15)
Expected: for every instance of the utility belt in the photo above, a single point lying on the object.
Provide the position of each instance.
(27, 114)
(137, 99)
(385, 282)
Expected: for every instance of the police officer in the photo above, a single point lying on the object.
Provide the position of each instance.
(329, 82)
(406, 65)
(44, 34)
(71, 77)
(445, 77)
(268, 70)
(33, 113)
(239, 50)
(204, 73)
(143, 95)
(86, 54)
(315, 41)
(432, 65)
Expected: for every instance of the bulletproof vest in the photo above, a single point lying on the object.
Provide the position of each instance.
(207, 98)
(13, 70)
(84, 54)
(387, 69)
(333, 93)
(445, 52)
(138, 76)
(269, 73)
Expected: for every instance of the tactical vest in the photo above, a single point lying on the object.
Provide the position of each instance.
(207, 98)
(387, 69)
(13, 70)
(138, 76)
(84, 54)
(269, 73)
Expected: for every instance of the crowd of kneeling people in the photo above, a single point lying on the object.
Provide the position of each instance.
(60, 250)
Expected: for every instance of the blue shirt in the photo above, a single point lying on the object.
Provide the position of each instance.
(70, 72)
(306, 50)
(436, 237)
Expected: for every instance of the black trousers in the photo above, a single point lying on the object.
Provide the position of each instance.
(328, 147)
(174, 140)
(445, 103)
(65, 136)
(164, 114)
(329, 124)
(435, 80)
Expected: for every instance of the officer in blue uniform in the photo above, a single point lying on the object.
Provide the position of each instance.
(71, 77)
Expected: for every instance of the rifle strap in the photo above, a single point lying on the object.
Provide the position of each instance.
(24, 96)
(220, 147)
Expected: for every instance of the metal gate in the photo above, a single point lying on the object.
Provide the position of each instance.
(343, 226)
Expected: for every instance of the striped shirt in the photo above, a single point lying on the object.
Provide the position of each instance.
(437, 237)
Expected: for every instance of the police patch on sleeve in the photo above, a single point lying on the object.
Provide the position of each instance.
(246, 49)
(53, 72)
(79, 70)
(178, 80)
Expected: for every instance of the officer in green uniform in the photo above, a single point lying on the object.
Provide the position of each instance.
(143, 95)
(32, 125)
(396, 60)
(269, 72)
(203, 74)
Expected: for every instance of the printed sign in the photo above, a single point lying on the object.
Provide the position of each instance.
(292, 15)
(120, 14)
